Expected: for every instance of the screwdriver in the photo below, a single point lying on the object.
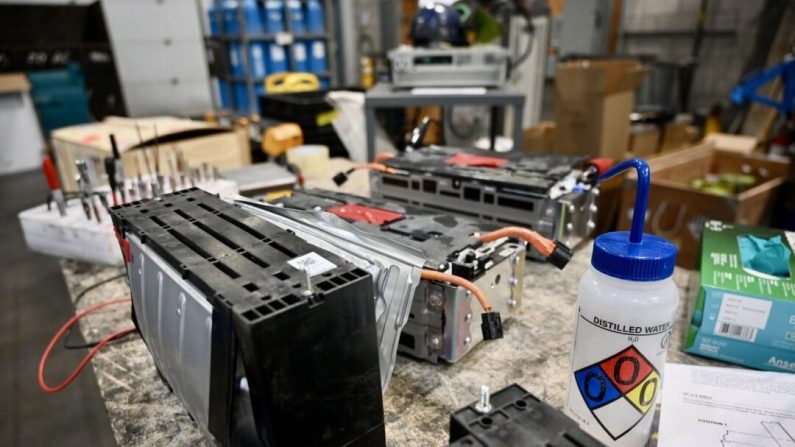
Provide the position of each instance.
(55, 184)
(119, 168)
(110, 169)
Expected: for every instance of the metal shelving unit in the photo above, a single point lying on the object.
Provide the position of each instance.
(284, 39)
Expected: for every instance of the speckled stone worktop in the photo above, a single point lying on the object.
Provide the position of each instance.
(420, 397)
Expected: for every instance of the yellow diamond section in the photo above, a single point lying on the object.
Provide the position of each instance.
(645, 393)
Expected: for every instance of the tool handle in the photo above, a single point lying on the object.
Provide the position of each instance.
(50, 173)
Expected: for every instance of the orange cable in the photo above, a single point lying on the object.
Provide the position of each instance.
(543, 245)
(374, 166)
(459, 281)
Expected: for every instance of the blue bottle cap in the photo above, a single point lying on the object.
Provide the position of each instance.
(634, 255)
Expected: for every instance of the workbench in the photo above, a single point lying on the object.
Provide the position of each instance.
(421, 396)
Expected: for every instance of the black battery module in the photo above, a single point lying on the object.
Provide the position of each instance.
(516, 418)
(266, 339)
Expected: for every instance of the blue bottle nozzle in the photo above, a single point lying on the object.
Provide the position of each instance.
(641, 195)
(633, 255)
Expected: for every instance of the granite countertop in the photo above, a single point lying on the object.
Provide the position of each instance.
(420, 397)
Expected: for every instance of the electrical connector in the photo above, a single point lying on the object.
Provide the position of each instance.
(342, 177)
(560, 256)
(491, 325)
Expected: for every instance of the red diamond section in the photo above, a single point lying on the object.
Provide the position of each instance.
(626, 369)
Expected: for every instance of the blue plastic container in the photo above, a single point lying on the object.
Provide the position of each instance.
(300, 57)
(277, 59)
(257, 59)
(252, 17)
(315, 17)
(241, 97)
(273, 16)
(225, 94)
(229, 13)
(259, 90)
(236, 59)
(296, 15)
(324, 84)
(317, 56)
(215, 16)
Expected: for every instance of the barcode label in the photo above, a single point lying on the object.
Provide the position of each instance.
(735, 331)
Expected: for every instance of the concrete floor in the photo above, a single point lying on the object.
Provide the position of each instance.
(35, 304)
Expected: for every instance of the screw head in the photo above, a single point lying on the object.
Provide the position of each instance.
(467, 317)
(435, 344)
(467, 341)
(435, 300)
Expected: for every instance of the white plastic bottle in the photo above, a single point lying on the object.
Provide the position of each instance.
(626, 307)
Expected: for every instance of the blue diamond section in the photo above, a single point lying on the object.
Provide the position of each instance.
(596, 389)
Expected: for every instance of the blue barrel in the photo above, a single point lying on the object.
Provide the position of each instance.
(259, 90)
(252, 17)
(300, 58)
(229, 13)
(215, 16)
(236, 59)
(296, 14)
(277, 59)
(241, 97)
(324, 85)
(257, 60)
(225, 94)
(315, 17)
(317, 56)
(273, 16)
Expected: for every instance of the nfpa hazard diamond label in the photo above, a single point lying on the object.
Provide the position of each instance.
(619, 390)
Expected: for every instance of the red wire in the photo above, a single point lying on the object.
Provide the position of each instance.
(91, 353)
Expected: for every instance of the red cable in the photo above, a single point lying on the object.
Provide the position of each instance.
(91, 353)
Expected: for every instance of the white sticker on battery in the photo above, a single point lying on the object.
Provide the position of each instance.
(315, 263)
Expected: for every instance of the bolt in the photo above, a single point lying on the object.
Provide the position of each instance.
(467, 341)
(435, 344)
(306, 281)
(595, 192)
(513, 281)
(467, 317)
(484, 403)
(512, 302)
(156, 191)
(591, 225)
(572, 208)
(569, 227)
(435, 300)
(594, 208)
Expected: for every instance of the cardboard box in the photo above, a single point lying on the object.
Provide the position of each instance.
(197, 140)
(593, 100)
(644, 140)
(14, 83)
(741, 315)
(675, 136)
(677, 211)
(743, 144)
(539, 139)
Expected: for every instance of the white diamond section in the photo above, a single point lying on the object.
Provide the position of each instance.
(617, 417)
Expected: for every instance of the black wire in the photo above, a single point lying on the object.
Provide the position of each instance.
(80, 296)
